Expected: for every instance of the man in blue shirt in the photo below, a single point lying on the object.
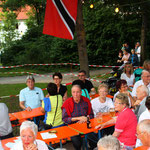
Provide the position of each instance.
(31, 96)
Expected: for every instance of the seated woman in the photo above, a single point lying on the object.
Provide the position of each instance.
(61, 89)
(128, 74)
(122, 87)
(84, 90)
(125, 123)
(102, 103)
(51, 106)
(28, 132)
(75, 109)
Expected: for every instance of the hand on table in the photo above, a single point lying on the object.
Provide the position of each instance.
(82, 119)
(31, 147)
(28, 109)
(100, 126)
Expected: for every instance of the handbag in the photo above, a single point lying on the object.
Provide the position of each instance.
(49, 126)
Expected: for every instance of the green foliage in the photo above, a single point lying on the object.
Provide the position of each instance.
(8, 28)
(106, 31)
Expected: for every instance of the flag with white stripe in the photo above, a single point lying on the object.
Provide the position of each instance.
(60, 18)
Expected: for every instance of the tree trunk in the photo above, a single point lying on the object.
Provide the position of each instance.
(143, 34)
(81, 41)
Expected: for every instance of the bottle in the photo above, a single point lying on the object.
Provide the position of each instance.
(88, 122)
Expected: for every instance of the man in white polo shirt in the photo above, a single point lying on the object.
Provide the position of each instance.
(31, 96)
(145, 81)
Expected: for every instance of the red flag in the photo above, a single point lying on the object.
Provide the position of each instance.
(60, 18)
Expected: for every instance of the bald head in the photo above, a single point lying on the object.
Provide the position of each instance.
(141, 92)
(143, 132)
(145, 77)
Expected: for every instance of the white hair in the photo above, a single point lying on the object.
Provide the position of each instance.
(109, 142)
(30, 77)
(143, 88)
(144, 71)
(144, 126)
(29, 124)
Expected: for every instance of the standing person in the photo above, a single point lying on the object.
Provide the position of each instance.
(76, 109)
(138, 50)
(5, 124)
(51, 106)
(31, 96)
(133, 59)
(128, 74)
(125, 123)
(88, 84)
(61, 89)
(126, 45)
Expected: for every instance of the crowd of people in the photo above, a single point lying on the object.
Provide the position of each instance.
(131, 102)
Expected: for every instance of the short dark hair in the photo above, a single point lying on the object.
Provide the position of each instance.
(119, 83)
(52, 89)
(58, 74)
(78, 82)
(82, 71)
(147, 103)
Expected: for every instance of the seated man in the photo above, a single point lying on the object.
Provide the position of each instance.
(31, 96)
(143, 132)
(88, 84)
(145, 80)
(5, 124)
(142, 93)
(108, 143)
(75, 109)
(143, 116)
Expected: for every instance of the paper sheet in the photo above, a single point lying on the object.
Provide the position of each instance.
(10, 144)
(47, 135)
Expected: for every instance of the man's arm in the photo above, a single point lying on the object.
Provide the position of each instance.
(23, 106)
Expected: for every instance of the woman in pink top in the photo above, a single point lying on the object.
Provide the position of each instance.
(125, 122)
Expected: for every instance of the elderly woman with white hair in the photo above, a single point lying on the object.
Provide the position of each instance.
(108, 143)
(28, 132)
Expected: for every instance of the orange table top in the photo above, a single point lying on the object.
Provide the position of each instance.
(82, 128)
(12, 117)
(62, 133)
(22, 115)
(142, 148)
